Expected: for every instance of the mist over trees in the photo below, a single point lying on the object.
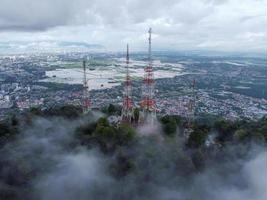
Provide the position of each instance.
(59, 154)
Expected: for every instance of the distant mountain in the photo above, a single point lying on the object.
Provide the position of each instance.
(207, 53)
(80, 44)
(47, 46)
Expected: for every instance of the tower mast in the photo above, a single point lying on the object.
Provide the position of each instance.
(191, 110)
(148, 105)
(85, 98)
(127, 109)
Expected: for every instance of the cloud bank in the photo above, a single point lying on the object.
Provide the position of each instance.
(230, 25)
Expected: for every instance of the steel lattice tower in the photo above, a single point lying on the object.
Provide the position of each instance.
(192, 102)
(127, 110)
(85, 98)
(148, 105)
(191, 110)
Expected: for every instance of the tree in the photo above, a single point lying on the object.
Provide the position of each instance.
(198, 137)
(125, 134)
(111, 109)
(241, 135)
(69, 111)
(35, 111)
(226, 130)
(136, 115)
(103, 129)
(169, 124)
(4, 129)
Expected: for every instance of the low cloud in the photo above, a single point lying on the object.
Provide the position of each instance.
(42, 164)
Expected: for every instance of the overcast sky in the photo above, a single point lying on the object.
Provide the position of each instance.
(224, 25)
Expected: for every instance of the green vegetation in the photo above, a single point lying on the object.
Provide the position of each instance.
(136, 115)
(107, 136)
(60, 86)
(198, 137)
(67, 111)
(161, 157)
(241, 131)
(111, 110)
(8, 130)
(226, 130)
(95, 63)
(170, 124)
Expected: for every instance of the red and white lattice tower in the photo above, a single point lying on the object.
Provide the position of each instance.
(85, 98)
(127, 109)
(148, 105)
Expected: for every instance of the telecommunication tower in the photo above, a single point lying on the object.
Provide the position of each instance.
(192, 102)
(191, 109)
(127, 109)
(148, 106)
(85, 98)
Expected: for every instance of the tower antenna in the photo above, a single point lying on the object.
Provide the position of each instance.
(191, 109)
(127, 109)
(148, 104)
(85, 99)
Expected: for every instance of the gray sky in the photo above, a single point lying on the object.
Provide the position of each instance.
(224, 25)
